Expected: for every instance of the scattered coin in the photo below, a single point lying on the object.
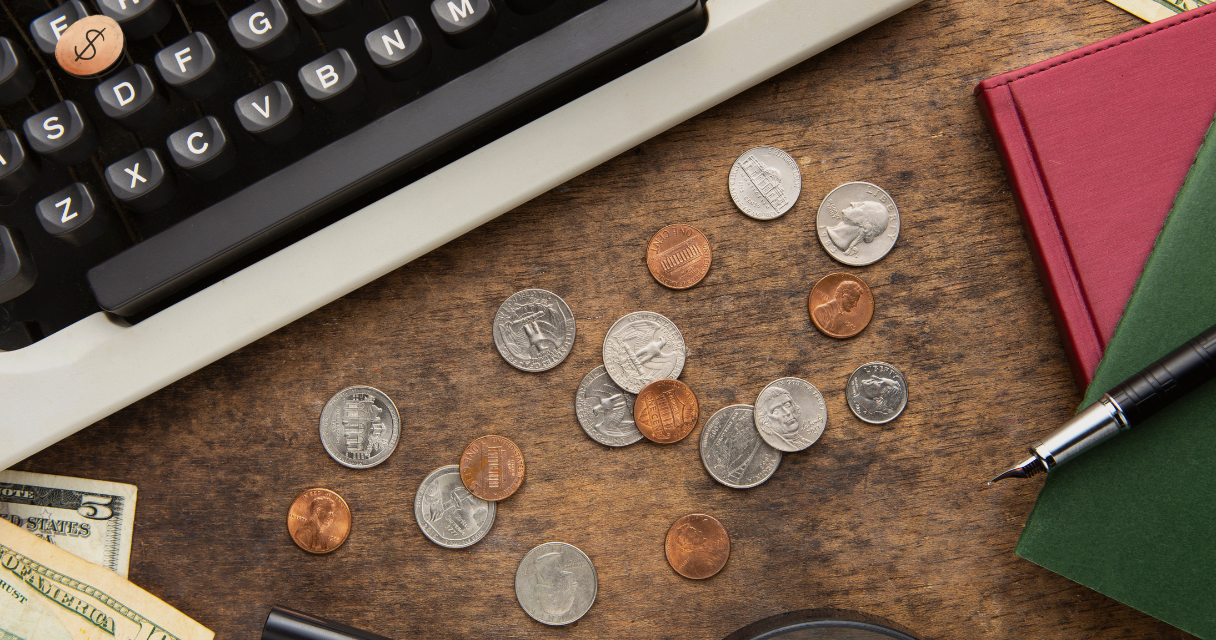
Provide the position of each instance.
(678, 256)
(605, 411)
(697, 546)
(642, 347)
(448, 514)
(732, 450)
(841, 305)
(556, 583)
(790, 414)
(765, 182)
(666, 411)
(492, 468)
(319, 521)
(858, 223)
(360, 427)
(877, 392)
(90, 46)
(534, 330)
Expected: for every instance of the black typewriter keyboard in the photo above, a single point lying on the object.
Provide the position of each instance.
(229, 129)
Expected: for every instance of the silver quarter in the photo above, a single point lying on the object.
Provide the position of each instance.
(765, 182)
(556, 583)
(732, 450)
(534, 330)
(448, 514)
(643, 347)
(790, 414)
(858, 223)
(360, 427)
(605, 410)
(877, 392)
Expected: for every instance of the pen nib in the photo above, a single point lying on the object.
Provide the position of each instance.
(1024, 469)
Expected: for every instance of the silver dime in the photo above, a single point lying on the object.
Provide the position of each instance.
(360, 427)
(534, 330)
(765, 182)
(790, 414)
(556, 583)
(732, 450)
(858, 223)
(877, 392)
(643, 347)
(448, 514)
(605, 410)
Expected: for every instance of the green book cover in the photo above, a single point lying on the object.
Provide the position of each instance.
(1135, 518)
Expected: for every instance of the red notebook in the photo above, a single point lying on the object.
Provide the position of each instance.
(1096, 144)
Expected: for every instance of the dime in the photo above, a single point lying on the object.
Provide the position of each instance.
(732, 450)
(697, 546)
(877, 392)
(319, 520)
(678, 256)
(492, 468)
(448, 514)
(360, 427)
(534, 330)
(605, 410)
(666, 411)
(556, 583)
(642, 347)
(841, 305)
(765, 182)
(858, 223)
(790, 414)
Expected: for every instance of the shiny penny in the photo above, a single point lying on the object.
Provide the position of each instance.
(666, 411)
(492, 468)
(90, 47)
(697, 546)
(319, 521)
(678, 256)
(841, 305)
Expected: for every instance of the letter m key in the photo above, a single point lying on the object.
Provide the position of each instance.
(463, 11)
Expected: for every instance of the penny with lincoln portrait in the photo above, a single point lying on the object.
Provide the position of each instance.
(492, 468)
(319, 521)
(841, 305)
(697, 546)
(666, 411)
(678, 256)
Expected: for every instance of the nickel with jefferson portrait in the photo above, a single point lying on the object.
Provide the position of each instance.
(790, 414)
(858, 223)
(534, 330)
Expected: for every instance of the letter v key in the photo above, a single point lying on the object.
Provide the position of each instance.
(265, 112)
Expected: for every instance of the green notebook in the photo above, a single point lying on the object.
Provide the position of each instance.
(1135, 518)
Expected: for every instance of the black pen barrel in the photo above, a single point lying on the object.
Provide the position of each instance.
(1167, 379)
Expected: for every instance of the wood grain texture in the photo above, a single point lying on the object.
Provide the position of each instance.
(890, 520)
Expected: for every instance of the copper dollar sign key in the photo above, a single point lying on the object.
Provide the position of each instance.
(492, 468)
(90, 47)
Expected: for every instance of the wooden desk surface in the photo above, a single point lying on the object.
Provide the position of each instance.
(893, 520)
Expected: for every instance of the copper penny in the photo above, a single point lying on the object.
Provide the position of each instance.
(697, 546)
(492, 468)
(90, 47)
(678, 256)
(665, 411)
(319, 520)
(841, 305)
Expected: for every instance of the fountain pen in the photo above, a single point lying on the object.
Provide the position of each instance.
(1125, 406)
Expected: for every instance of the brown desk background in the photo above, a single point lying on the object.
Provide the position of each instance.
(893, 520)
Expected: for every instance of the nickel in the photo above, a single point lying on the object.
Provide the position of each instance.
(534, 330)
(858, 223)
(733, 452)
(678, 256)
(666, 411)
(448, 514)
(492, 468)
(360, 427)
(642, 347)
(697, 546)
(556, 583)
(605, 411)
(319, 521)
(841, 305)
(790, 414)
(765, 182)
(877, 392)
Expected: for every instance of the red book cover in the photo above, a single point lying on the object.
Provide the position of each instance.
(1096, 144)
